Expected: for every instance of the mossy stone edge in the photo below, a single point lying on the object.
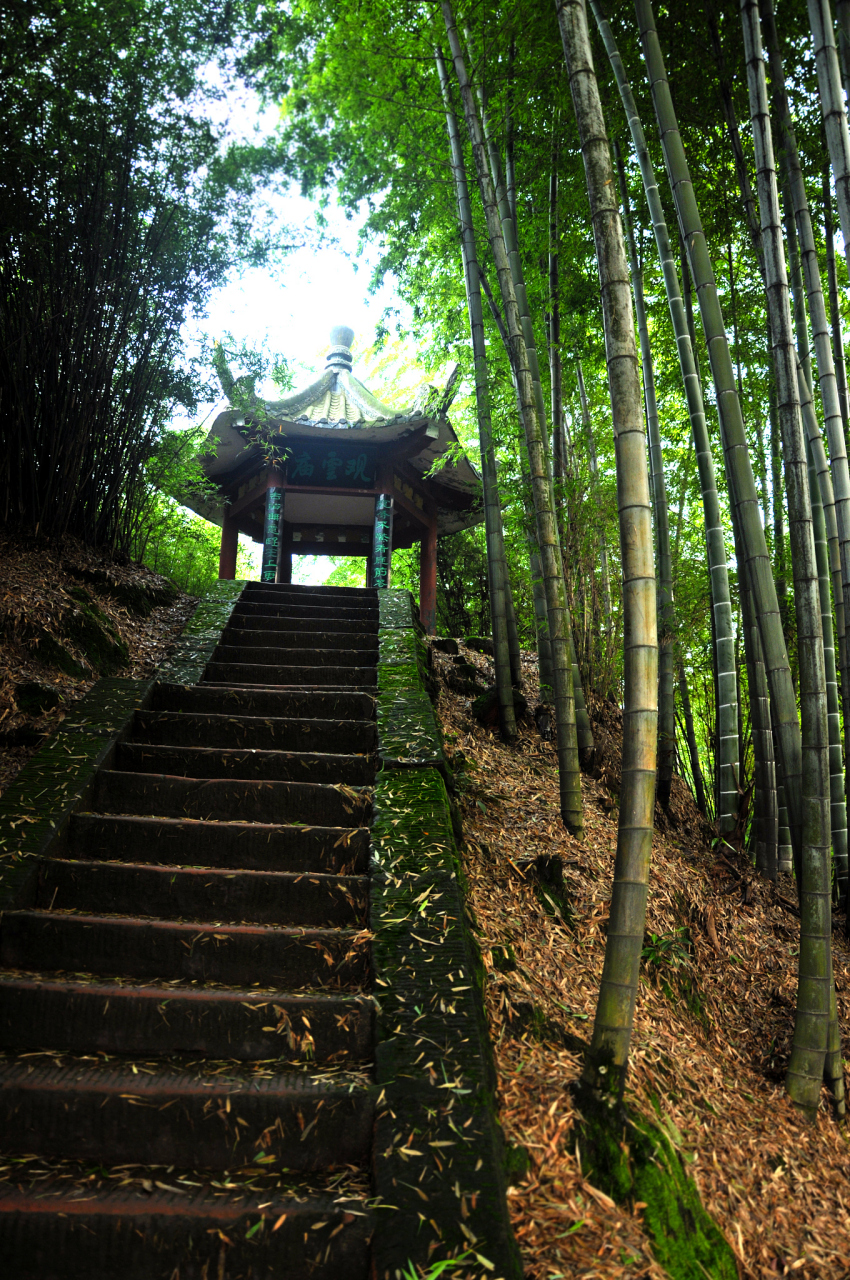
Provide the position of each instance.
(408, 733)
(202, 633)
(58, 780)
(434, 1064)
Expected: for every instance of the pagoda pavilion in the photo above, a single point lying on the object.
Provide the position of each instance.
(333, 471)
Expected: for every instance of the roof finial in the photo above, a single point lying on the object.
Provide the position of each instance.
(339, 355)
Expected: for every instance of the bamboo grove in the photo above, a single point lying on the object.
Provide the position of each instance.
(626, 226)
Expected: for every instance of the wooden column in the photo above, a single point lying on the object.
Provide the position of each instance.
(229, 547)
(428, 579)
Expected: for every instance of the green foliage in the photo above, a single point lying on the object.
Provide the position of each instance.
(668, 961)
(185, 548)
(122, 208)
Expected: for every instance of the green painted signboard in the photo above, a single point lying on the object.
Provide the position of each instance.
(336, 466)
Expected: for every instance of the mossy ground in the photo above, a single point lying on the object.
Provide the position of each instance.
(634, 1162)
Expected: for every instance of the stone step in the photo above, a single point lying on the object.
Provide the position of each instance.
(286, 638)
(229, 799)
(203, 1234)
(345, 599)
(235, 845)
(273, 656)
(216, 762)
(253, 618)
(322, 614)
(312, 704)
(109, 1113)
(234, 955)
(309, 588)
(157, 1020)
(259, 733)
(173, 893)
(242, 673)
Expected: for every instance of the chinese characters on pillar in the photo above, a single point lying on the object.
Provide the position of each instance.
(271, 534)
(382, 541)
(343, 466)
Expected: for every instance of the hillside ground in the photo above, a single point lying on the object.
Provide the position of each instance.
(716, 1005)
(67, 615)
(714, 1017)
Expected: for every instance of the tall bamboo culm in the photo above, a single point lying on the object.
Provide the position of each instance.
(746, 511)
(833, 422)
(666, 615)
(569, 776)
(606, 1061)
(815, 987)
(505, 195)
(834, 110)
(492, 505)
(726, 804)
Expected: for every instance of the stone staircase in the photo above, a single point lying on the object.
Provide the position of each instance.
(186, 1029)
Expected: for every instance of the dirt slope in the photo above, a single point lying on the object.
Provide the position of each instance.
(67, 615)
(714, 1018)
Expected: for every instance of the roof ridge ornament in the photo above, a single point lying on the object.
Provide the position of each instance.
(339, 355)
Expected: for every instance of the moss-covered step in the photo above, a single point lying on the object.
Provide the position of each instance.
(38, 803)
(396, 609)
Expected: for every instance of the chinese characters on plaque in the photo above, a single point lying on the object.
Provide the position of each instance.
(341, 466)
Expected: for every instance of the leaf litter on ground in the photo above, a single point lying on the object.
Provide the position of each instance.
(714, 1017)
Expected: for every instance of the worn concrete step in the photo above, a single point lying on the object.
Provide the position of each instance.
(173, 893)
(285, 638)
(312, 704)
(229, 799)
(111, 1114)
(301, 589)
(57, 1233)
(157, 1020)
(259, 733)
(343, 599)
(235, 845)
(248, 764)
(275, 655)
(252, 618)
(127, 947)
(294, 677)
(322, 614)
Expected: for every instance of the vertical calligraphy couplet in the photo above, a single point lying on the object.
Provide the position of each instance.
(382, 540)
(271, 533)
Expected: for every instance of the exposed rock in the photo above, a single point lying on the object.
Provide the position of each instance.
(34, 697)
(481, 644)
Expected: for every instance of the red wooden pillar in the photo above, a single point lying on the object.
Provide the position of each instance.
(229, 546)
(428, 579)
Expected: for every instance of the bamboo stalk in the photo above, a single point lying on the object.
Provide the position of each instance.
(811, 1032)
(744, 500)
(546, 524)
(492, 503)
(607, 1059)
(725, 686)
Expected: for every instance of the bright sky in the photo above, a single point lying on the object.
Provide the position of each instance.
(292, 309)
